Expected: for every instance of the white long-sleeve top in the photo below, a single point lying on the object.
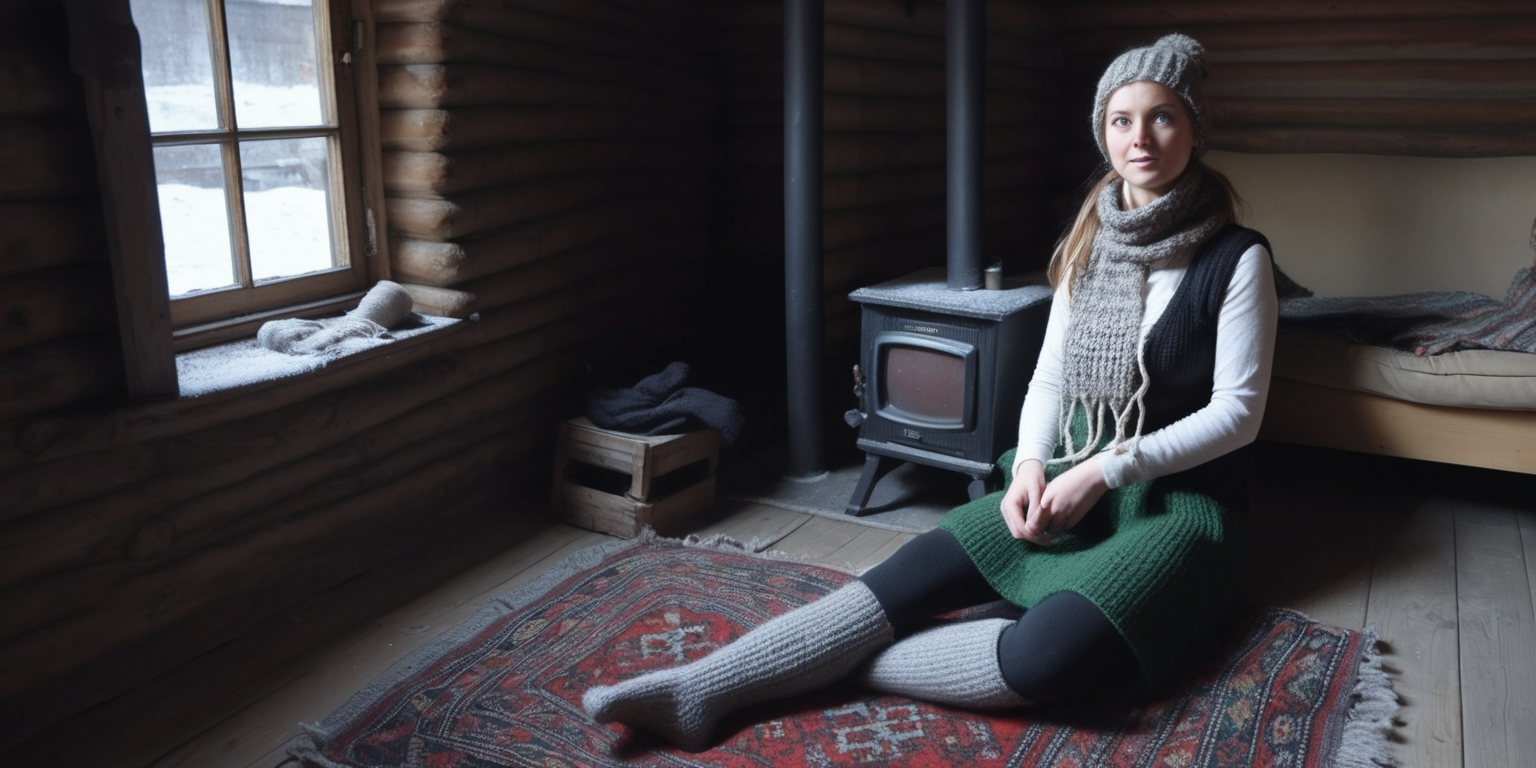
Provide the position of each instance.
(1245, 343)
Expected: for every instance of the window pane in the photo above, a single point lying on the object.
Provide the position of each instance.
(272, 59)
(287, 206)
(178, 65)
(194, 217)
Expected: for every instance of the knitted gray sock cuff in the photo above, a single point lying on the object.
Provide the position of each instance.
(952, 664)
(795, 652)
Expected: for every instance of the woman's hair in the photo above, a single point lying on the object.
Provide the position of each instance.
(1073, 250)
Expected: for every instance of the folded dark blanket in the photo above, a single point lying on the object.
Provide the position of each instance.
(661, 404)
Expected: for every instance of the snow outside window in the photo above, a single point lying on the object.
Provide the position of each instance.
(248, 152)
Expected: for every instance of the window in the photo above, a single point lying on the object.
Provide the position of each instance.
(253, 129)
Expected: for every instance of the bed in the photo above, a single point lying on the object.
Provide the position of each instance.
(1474, 407)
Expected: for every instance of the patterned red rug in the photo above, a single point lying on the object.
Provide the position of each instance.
(504, 688)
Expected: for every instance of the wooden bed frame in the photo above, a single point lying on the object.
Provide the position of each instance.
(1308, 414)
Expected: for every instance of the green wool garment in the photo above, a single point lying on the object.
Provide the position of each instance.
(1158, 561)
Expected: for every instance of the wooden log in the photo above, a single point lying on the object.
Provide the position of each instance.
(94, 529)
(50, 437)
(58, 373)
(43, 235)
(36, 78)
(486, 400)
(195, 696)
(54, 303)
(281, 556)
(1024, 21)
(1373, 141)
(1375, 79)
(1489, 116)
(862, 153)
(437, 43)
(439, 130)
(512, 21)
(449, 263)
(865, 113)
(590, 14)
(865, 42)
(430, 86)
(443, 302)
(43, 157)
(853, 75)
(434, 174)
(1129, 13)
(655, 246)
(1373, 40)
(483, 210)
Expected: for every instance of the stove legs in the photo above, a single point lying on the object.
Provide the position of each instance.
(979, 487)
(875, 467)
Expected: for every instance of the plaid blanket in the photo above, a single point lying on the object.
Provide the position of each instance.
(1423, 323)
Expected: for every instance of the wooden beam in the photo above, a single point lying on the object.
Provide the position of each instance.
(105, 51)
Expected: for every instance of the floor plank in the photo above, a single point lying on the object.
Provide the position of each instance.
(1412, 605)
(755, 525)
(1528, 543)
(1497, 638)
(820, 538)
(1311, 550)
(328, 676)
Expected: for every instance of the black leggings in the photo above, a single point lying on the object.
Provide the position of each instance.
(1057, 652)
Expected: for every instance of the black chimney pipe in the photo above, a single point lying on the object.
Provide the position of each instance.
(965, 32)
(804, 322)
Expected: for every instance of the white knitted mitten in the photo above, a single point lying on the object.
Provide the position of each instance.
(795, 652)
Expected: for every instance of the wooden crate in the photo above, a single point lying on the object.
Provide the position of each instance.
(645, 460)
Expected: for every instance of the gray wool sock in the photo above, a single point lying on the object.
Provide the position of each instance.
(798, 651)
(950, 664)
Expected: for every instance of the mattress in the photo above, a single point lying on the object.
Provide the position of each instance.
(1471, 379)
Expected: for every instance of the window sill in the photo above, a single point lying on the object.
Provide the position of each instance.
(241, 365)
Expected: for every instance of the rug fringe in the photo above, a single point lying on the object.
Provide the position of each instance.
(1366, 741)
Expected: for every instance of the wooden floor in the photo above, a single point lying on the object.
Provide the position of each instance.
(1440, 560)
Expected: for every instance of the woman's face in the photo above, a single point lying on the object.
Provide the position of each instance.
(1150, 139)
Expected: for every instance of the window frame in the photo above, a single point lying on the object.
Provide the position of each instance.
(105, 51)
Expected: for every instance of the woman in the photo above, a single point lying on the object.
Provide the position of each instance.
(1121, 529)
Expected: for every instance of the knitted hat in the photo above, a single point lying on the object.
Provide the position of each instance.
(1176, 62)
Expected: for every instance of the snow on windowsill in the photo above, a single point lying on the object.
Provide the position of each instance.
(244, 362)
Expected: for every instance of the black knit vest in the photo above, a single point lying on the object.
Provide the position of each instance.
(1180, 355)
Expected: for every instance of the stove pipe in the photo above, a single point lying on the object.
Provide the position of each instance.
(964, 60)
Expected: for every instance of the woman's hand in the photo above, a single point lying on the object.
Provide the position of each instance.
(1023, 496)
(1063, 504)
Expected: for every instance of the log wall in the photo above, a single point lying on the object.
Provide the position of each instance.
(1385, 77)
(883, 161)
(549, 157)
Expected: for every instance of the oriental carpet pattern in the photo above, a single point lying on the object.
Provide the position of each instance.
(504, 688)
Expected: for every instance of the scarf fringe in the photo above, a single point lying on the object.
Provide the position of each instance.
(1122, 442)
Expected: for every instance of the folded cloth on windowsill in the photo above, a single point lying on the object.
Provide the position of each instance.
(661, 405)
(292, 346)
(384, 306)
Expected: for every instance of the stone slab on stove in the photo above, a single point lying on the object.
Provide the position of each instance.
(928, 290)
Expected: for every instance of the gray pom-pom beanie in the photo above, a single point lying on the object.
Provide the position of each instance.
(1176, 62)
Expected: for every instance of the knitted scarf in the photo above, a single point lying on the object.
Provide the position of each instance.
(1104, 371)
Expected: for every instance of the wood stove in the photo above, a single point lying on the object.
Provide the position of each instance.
(945, 375)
